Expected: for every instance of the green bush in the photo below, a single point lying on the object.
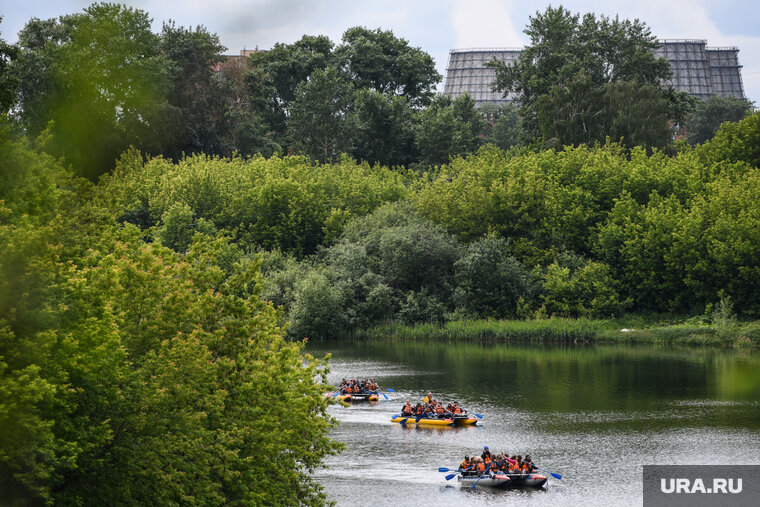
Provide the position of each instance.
(421, 307)
(489, 282)
(587, 291)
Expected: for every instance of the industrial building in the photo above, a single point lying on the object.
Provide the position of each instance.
(697, 69)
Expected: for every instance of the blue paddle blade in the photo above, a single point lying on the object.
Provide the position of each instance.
(444, 469)
(451, 476)
(384, 396)
(390, 390)
(403, 421)
(556, 476)
(479, 416)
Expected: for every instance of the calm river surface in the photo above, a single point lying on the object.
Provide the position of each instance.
(594, 414)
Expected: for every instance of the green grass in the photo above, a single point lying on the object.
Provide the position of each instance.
(638, 329)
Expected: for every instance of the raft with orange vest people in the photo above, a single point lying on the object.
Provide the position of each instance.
(433, 413)
(498, 471)
(354, 390)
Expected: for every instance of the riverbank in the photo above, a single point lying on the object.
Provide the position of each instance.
(638, 330)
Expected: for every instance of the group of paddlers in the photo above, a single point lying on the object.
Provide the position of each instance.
(431, 408)
(500, 463)
(353, 386)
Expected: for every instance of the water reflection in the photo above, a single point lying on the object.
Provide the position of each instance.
(585, 412)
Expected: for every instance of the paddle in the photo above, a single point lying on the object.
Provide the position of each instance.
(556, 476)
(390, 390)
(451, 476)
(384, 395)
(481, 475)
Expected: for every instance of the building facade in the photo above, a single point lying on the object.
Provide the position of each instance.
(697, 69)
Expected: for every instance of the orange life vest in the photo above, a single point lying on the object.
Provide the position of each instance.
(481, 467)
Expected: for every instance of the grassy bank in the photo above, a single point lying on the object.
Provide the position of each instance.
(556, 330)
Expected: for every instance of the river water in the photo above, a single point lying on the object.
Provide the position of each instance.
(593, 414)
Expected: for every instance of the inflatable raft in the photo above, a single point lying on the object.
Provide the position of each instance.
(464, 420)
(424, 421)
(488, 481)
(358, 397)
(527, 480)
(505, 480)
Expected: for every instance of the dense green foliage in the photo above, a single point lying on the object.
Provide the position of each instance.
(143, 350)
(96, 81)
(130, 373)
(282, 203)
(708, 114)
(581, 80)
(8, 82)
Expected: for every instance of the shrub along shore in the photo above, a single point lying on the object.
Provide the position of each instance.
(633, 330)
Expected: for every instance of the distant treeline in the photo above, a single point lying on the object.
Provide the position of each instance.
(580, 232)
(87, 86)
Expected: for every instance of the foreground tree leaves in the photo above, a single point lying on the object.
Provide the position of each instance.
(132, 374)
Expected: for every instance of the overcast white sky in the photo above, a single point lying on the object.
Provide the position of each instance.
(436, 26)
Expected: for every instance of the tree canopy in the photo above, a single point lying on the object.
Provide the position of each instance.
(131, 373)
(582, 78)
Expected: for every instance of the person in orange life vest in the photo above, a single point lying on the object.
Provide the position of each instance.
(465, 465)
(513, 469)
(519, 465)
(486, 455)
(456, 409)
(528, 461)
(406, 409)
(480, 466)
(430, 409)
(419, 409)
(439, 411)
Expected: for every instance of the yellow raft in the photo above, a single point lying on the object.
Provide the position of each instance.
(358, 397)
(465, 420)
(424, 421)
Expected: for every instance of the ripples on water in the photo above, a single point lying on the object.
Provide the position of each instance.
(595, 418)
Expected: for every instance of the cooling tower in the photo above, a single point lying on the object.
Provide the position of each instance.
(697, 69)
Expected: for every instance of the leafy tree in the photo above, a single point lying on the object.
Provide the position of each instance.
(248, 109)
(588, 291)
(319, 121)
(576, 113)
(579, 56)
(276, 203)
(8, 82)
(383, 129)
(502, 125)
(130, 373)
(448, 128)
(99, 78)
(277, 73)
(421, 307)
(711, 112)
(489, 282)
(735, 142)
(379, 61)
(200, 99)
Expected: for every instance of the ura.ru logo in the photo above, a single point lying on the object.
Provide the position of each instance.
(698, 486)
